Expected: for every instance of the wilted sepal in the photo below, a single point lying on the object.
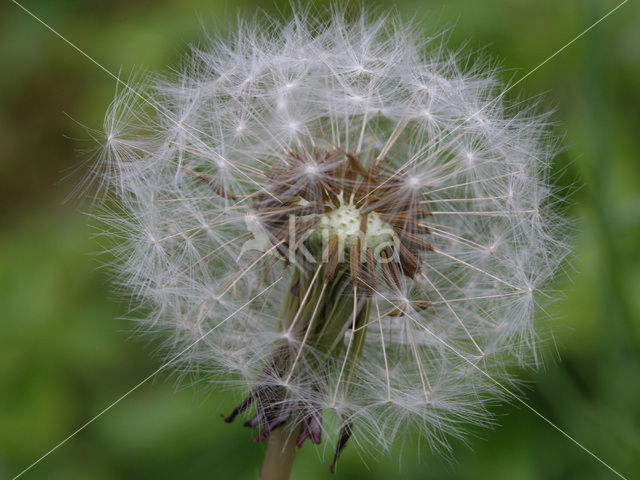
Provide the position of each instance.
(311, 428)
(345, 435)
(269, 412)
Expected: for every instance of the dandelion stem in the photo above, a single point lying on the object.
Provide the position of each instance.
(281, 451)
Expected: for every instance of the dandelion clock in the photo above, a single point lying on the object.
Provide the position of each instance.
(340, 220)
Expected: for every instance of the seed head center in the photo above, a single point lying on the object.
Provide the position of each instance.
(344, 222)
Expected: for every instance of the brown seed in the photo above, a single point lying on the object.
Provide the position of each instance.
(408, 261)
(354, 163)
(354, 263)
(415, 242)
(333, 256)
(390, 268)
(417, 305)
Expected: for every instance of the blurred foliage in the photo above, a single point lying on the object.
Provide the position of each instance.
(64, 355)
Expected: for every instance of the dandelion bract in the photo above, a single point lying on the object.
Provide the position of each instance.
(341, 219)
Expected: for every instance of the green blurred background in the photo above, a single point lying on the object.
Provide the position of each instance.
(64, 355)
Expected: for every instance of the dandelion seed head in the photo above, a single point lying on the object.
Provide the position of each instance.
(351, 216)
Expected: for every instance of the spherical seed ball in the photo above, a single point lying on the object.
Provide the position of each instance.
(222, 172)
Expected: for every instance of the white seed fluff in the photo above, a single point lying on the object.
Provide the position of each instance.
(376, 88)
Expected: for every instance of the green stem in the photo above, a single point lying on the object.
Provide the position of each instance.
(281, 451)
